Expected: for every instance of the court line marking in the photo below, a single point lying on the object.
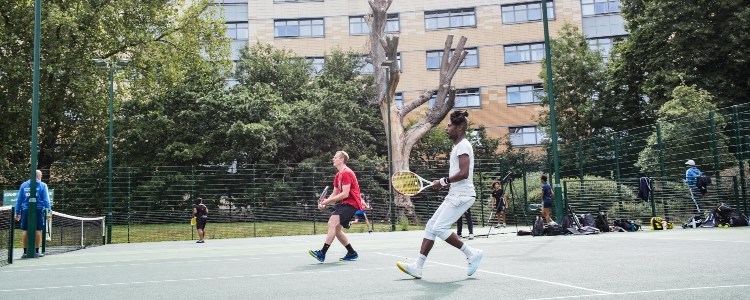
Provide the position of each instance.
(600, 292)
(648, 291)
(146, 264)
(185, 280)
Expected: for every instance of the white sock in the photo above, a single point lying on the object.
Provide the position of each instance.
(466, 250)
(420, 260)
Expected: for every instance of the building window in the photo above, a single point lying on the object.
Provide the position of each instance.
(599, 7)
(526, 136)
(603, 45)
(524, 53)
(520, 13)
(399, 100)
(435, 57)
(299, 27)
(453, 18)
(522, 94)
(358, 26)
(464, 98)
(237, 30)
(603, 26)
(393, 24)
(317, 63)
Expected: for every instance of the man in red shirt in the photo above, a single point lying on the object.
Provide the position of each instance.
(348, 200)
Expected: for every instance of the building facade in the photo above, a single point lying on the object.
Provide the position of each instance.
(498, 81)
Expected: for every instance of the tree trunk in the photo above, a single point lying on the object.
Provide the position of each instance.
(385, 48)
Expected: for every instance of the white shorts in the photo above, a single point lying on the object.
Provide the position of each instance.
(452, 208)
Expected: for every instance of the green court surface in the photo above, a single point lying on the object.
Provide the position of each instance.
(674, 264)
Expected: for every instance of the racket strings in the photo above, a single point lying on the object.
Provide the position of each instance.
(406, 183)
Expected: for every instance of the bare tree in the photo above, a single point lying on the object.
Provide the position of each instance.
(385, 48)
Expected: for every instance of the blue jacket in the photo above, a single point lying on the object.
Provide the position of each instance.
(691, 176)
(42, 196)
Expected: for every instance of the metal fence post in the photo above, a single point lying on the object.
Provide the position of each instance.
(580, 162)
(740, 156)
(714, 147)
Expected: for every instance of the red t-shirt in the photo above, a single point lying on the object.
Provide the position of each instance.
(347, 177)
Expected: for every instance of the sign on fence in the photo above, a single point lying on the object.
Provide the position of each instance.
(10, 196)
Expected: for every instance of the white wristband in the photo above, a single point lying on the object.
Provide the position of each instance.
(444, 181)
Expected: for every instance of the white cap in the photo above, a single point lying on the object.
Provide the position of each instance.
(690, 162)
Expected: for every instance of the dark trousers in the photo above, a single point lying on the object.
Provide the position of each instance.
(469, 223)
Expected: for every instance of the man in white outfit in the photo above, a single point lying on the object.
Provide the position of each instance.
(461, 196)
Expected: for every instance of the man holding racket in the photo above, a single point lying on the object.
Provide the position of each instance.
(461, 196)
(348, 200)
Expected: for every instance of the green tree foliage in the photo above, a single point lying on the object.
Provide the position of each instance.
(279, 113)
(686, 134)
(672, 43)
(577, 72)
(164, 45)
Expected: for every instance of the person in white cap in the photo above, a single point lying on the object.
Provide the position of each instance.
(692, 174)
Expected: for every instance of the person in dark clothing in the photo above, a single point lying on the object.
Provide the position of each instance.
(469, 223)
(200, 212)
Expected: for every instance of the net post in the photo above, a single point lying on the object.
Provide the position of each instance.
(12, 233)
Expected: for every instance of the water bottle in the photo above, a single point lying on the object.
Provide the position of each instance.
(664, 225)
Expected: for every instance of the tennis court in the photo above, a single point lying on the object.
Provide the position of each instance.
(673, 264)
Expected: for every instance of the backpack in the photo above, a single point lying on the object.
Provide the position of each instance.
(656, 223)
(601, 221)
(702, 183)
(538, 227)
(553, 230)
(625, 224)
(589, 220)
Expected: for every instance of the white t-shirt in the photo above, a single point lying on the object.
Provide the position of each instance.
(462, 187)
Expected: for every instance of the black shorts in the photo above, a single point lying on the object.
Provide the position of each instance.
(345, 213)
(40, 219)
(500, 208)
(200, 223)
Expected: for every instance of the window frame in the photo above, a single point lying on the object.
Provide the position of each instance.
(465, 92)
(464, 64)
(449, 15)
(538, 133)
(592, 4)
(389, 20)
(535, 90)
(551, 15)
(299, 27)
(531, 51)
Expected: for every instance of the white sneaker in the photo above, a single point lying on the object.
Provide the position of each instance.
(474, 260)
(498, 226)
(411, 269)
(504, 225)
(471, 236)
(553, 223)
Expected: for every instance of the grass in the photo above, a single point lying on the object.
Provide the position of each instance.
(180, 232)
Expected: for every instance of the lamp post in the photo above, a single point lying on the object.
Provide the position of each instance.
(388, 67)
(112, 67)
(31, 216)
(552, 114)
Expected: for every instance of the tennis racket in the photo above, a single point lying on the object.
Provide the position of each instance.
(408, 183)
(323, 195)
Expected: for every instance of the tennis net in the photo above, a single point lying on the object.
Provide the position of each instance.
(6, 223)
(69, 233)
(64, 233)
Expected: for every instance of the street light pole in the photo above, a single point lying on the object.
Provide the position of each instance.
(31, 216)
(388, 67)
(552, 114)
(112, 67)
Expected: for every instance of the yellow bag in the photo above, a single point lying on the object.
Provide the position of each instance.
(193, 221)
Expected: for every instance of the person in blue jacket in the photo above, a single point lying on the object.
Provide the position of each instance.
(42, 210)
(691, 175)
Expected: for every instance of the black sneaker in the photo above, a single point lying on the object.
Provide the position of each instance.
(351, 256)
